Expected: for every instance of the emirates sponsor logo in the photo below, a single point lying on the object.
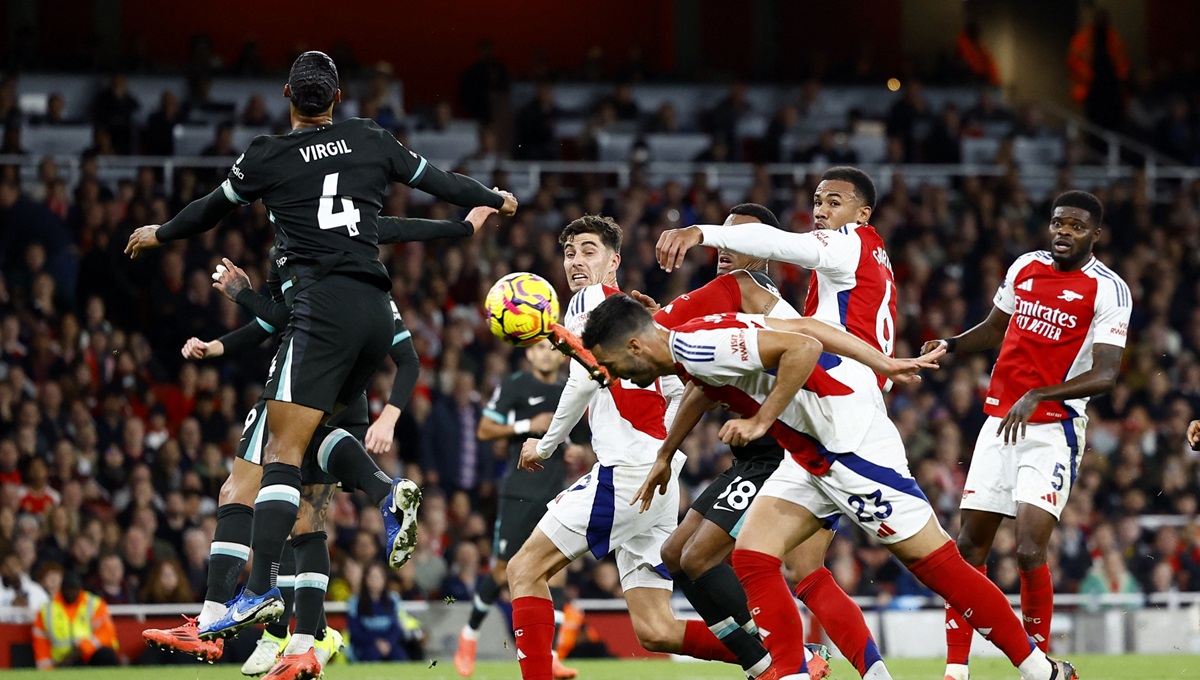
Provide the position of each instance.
(1048, 322)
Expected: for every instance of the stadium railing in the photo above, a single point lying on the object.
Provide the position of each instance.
(732, 179)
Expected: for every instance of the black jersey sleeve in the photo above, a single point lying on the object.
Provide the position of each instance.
(503, 400)
(417, 172)
(405, 229)
(251, 176)
(251, 335)
(408, 369)
(273, 315)
(196, 217)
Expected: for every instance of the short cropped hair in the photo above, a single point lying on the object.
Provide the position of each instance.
(1084, 201)
(616, 319)
(313, 81)
(864, 188)
(603, 226)
(759, 212)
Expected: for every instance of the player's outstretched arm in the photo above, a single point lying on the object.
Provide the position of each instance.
(753, 239)
(196, 217)
(842, 343)
(793, 356)
(408, 229)
(1100, 378)
(987, 335)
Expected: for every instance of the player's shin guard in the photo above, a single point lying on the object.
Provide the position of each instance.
(959, 634)
(312, 579)
(842, 619)
(533, 630)
(774, 609)
(1037, 604)
(344, 457)
(275, 512)
(982, 604)
(485, 597)
(704, 595)
(229, 552)
(286, 583)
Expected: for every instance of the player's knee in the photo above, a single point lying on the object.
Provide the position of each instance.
(970, 547)
(520, 574)
(655, 638)
(237, 491)
(1030, 554)
(696, 561)
(672, 554)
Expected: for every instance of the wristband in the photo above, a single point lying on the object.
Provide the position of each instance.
(521, 427)
(951, 343)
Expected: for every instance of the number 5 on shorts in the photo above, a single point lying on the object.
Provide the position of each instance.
(1058, 476)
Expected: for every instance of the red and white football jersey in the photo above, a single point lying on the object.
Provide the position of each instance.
(852, 287)
(628, 422)
(719, 353)
(1056, 319)
(722, 295)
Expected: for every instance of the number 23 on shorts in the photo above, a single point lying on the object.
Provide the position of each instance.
(881, 510)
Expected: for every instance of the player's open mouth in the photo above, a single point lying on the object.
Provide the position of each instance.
(579, 277)
(1061, 245)
(724, 261)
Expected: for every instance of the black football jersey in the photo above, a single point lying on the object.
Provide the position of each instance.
(324, 187)
(520, 397)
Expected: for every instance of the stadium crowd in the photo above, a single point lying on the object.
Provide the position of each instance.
(113, 448)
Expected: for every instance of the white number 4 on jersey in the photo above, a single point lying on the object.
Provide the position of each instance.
(327, 218)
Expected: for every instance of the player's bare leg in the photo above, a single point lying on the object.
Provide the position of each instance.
(975, 536)
(1034, 527)
(529, 574)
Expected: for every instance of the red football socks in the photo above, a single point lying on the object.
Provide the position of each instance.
(774, 610)
(1037, 604)
(982, 604)
(842, 619)
(533, 629)
(959, 633)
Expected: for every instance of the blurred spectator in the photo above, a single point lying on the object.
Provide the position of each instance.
(482, 84)
(975, 56)
(74, 629)
(166, 585)
(593, 68)
(158, 137)
(453, 455)
(382, 99)
(535, 126)
(110, 581)
(380, 629)
(464, 573)
(1108, 576)
(18, 591)
(1099, 68)
(112, 112)
(56, 112)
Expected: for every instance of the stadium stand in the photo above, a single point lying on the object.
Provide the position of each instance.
(112, 445)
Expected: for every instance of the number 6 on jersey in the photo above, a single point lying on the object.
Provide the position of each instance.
(326, 217)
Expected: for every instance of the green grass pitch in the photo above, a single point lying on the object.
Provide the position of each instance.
(1090, 668)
